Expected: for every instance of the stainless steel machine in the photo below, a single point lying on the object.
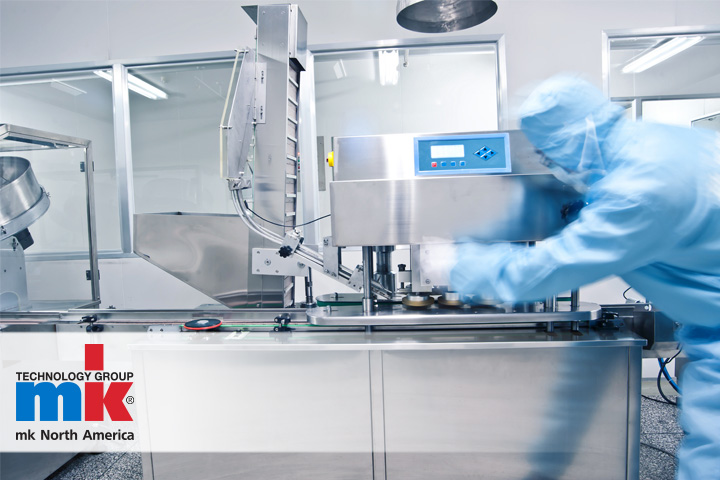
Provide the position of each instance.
(445, 385)
(405, 378)
(23, 201)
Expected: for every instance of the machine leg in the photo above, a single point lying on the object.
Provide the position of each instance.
(368, 300)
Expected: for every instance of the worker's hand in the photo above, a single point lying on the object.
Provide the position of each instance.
(436, 262)
(479, 269)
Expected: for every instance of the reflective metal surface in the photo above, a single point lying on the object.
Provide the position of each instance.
(13, 277)
(237, 122)
(391, 157)
(240, 316)
(208, 252)
(425, 210)
(517, 413)
(393, 314)
(267, 91)
(656, 327)
(22, 199)
(377, 200)
(438, 16)
(496, 404)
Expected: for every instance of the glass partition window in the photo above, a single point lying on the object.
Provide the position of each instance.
(76, 104)
(407, 90)
(673, 79)
(653, 66)
(175, 139)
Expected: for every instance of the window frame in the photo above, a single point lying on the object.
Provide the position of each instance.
(121, 130)
(121, 112)
(635, 102)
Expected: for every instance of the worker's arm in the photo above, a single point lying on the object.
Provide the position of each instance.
(615, 234)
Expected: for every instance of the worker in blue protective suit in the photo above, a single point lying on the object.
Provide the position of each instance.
(652, 217)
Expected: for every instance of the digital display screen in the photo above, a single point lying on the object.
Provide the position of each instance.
(447, 151)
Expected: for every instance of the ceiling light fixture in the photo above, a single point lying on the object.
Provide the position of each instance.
(66, 87)
(136, 85)
(388, 62)
(438, 16)
(660, 54)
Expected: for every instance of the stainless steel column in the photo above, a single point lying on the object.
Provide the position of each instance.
(550, 306)
(574, 302)
(281, 53)
(383, 271)
(309, 299)
(368, 299)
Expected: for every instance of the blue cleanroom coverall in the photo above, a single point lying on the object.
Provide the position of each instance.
(653, 218)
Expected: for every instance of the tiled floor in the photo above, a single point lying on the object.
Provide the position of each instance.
(102, 466)
(659, 429)
(659, 441)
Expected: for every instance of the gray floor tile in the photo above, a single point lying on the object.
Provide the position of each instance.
(659, 418)
(655, 465)
(128, 467)
(87, 466)
(670, 442)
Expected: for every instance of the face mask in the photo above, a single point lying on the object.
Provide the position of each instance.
(590, 167)
(573, 179)
(591, 159)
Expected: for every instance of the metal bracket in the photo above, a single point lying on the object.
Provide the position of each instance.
(267, 261)
(239, 183)
(283, 320)
(331, 258)
(260, 92)
(610, 321)
(291, 242)
(418, 280)
(356, 279)
(92, 327)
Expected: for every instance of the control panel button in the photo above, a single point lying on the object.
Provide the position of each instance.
(467, 154)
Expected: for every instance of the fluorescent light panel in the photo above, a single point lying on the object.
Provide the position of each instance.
(661, 53)
(388, 62)
(136, 85)
(66, 87)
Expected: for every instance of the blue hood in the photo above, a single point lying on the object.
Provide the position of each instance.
(562, 114)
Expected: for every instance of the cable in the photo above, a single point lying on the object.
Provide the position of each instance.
(659, 387)
(626, 290)
(659, 450)
(280, 224)
(655, 400)
(663, 369)
(663, 366)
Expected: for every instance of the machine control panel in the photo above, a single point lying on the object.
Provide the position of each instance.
(480, 153)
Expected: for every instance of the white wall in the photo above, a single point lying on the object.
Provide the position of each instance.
(543, 37)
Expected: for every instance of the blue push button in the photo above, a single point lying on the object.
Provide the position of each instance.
(462, 164)
(443, 164)
(452, 164)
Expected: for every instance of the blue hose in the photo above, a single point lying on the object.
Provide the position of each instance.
(663, 367)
